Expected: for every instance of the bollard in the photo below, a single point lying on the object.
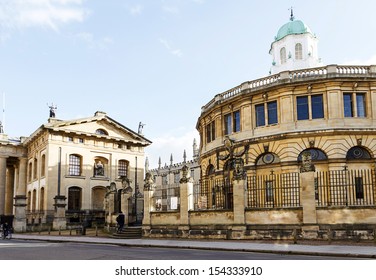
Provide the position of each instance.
(96, 230)
(49, 230)
(59, 230)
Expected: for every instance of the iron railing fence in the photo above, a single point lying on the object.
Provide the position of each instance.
(345, 188)
(213, 194)
(167, 197)
(273, 191)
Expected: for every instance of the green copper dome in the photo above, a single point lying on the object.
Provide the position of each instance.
(292, 27)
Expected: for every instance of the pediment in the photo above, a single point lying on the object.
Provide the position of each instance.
(100, 126)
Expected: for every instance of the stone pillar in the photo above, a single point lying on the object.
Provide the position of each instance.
(186, 204)
(3, 176)
(125, 207)
(20, 199)
(307, 197)
(148, 208)
(239, 193)
(60, 222)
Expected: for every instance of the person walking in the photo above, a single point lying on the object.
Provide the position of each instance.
(120, 219)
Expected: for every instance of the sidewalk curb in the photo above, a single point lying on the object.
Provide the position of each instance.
(206, 246)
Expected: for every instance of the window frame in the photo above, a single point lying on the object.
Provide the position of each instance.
(308, 110)
(351, 104)
(75, 165)
(263, 113)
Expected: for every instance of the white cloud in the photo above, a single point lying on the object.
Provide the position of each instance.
(40, 13)
(166, 44)
(93, 42)
(136, 10)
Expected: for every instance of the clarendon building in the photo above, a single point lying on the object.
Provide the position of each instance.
(75, 172)
(290, 155)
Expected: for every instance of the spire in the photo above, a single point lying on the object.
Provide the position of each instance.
(292, 14)
(159, 163)
(184, 157)
(171, 159)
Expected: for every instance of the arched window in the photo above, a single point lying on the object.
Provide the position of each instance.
(30, 171)
(101, 131)
(316, 154)
(283, 55)
(298, 51)
(43, 166)
(35, 170)
(123, 168)
(41, 199)
(34, 200)
(74, 198)
(210, 170)
(267, 158)
(358, 152)
(74, 165)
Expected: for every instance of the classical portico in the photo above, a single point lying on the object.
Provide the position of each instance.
(13, 181)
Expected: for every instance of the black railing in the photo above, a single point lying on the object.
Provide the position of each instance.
(213, 194)
(345, 188)
(273, 191)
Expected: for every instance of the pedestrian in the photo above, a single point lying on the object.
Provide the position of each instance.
(120, 219)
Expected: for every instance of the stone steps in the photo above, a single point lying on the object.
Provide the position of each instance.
(129, 233)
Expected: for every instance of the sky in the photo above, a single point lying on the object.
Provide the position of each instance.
(155, 61)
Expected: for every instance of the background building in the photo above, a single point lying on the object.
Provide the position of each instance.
(71, 172)
(286, 155)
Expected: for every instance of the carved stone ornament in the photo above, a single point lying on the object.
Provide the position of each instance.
(239, 173)
(148, 182)
(307, 165)
(185, 175)
(126, 184)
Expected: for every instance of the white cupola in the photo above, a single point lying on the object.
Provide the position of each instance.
(294, 47)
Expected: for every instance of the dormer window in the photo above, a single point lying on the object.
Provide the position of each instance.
(298, 51)
(101, 132)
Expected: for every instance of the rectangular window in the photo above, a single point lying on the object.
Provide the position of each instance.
(354, 105)
(302, 107)
(123, 168)
(272, 112)
(74, 165)
(236, 121)
(228, 124)
(359, 192)
(269, 191)
(260, 115)
(210, 132)
(317, 107)
(347, 105)
(361, 105)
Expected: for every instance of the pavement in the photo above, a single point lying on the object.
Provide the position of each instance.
(350, 250)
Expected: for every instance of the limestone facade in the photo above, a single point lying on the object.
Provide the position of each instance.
(62, 173)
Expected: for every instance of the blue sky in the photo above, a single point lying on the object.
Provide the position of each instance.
(155, 61)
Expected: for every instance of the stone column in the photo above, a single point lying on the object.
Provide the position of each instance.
(60, 222)
(8, 210)
(307, 197)
(20, 202)
(239, 193)
(3, 175)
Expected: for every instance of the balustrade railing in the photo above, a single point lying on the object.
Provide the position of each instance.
(291, 76)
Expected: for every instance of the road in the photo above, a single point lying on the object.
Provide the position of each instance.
(40, 250)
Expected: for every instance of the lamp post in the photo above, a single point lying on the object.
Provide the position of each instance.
(135, 192)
